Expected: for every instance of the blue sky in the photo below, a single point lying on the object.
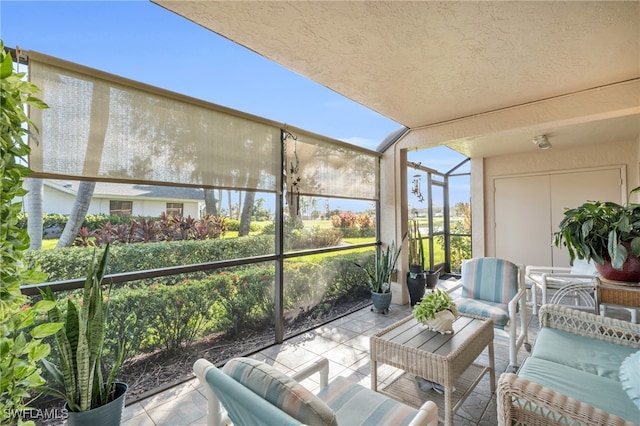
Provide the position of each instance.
(144, 42)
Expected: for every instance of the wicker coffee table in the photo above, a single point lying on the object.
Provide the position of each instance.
(440, 358)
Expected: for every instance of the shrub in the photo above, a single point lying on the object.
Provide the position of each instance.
(70, 263)
(355, 226)
(169, 313)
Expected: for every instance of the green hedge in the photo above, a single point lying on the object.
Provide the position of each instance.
(91, 221)
(169, 313)
(70, 263)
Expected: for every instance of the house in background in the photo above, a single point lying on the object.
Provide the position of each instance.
(123, 199)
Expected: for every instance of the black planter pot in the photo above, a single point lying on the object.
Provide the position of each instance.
(416, 283)
(432, 278)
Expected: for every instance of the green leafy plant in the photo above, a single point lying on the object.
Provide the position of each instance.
(600, 231)
(21, 344)
(416, 250)
(432, 303)
(384, 264)
(80, 343)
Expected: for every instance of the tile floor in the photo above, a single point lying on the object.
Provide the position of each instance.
(345, 343)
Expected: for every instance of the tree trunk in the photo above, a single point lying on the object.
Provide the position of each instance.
(78, 213)
(245, 219)
(230, 207)
(34, 213)
(97, 133)
(210, 202)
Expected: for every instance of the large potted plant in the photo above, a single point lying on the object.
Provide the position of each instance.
(416, 278)
(91, 397)
(379, 273)
(607, 233)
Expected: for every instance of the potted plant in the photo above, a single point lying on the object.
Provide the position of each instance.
(90, 396)
(607, 233)
(416, 278)
(437, 311)
(379, 275)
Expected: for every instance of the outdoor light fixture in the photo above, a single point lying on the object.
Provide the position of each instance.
(542, 142)
(415, 187)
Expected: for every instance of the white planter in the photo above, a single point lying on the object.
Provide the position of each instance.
(442, 323)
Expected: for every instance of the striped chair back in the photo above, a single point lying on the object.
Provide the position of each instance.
(490, 278)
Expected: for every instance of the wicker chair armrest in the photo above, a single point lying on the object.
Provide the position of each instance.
(521, 401)
(590, 325)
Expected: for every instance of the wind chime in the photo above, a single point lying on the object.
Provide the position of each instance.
(415, 187)
(293, 191)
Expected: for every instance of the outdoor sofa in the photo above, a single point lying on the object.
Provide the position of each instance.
(583, 369)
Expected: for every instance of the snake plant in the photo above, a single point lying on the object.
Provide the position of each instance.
(79, 343)
(379, 272)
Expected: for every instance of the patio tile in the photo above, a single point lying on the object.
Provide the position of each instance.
(172, 394)
(345, 343)
(142, 419)
(132, 410)
(345, 355)
(183, 410)
(336, 333)
(293, 357)
(354, 325)
(359, 342)
(316, 344)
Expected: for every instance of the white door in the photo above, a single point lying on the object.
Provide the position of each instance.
(528, 210)
(522, 219)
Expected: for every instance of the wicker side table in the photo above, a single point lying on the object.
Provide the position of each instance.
(439, 358)
(619, 293)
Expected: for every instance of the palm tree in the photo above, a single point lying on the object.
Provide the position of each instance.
(34, 217)
(97, 134)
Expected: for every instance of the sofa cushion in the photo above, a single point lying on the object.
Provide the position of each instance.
(356, 405)
(280, 390)
(582, 353)
(630, 377)
(598, 391)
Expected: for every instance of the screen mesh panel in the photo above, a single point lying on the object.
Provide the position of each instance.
(104, 127)
(319, 168)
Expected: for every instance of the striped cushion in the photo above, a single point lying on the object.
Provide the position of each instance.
(490, 279)
(280, 390)
(498, 312)
(356, 405)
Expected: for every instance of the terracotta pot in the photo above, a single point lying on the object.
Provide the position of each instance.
(630, 269)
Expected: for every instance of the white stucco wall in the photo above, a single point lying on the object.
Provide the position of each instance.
(55, 201)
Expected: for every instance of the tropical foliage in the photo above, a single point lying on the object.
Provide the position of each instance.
(599, 230)
(432, 303)
(21, 345)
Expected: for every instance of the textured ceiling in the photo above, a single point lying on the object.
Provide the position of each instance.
(422, 63)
